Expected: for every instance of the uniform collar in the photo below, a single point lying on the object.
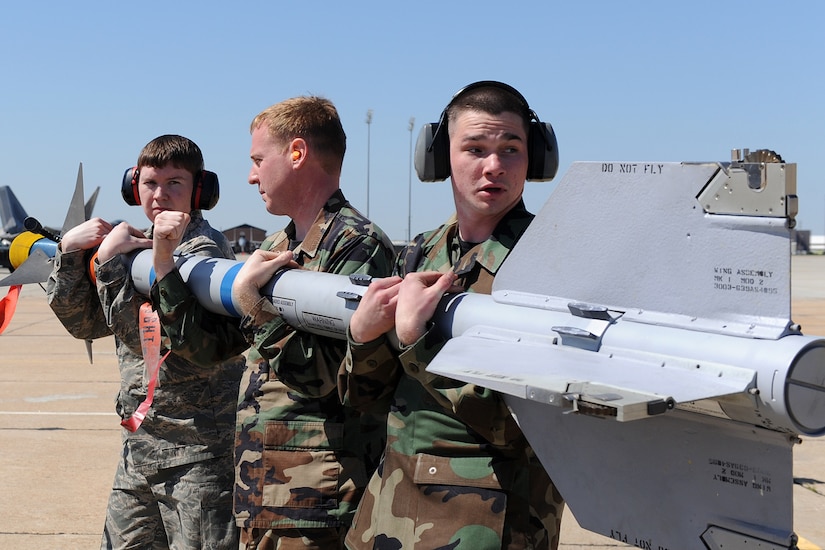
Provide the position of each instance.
(320, 226)
(491, 253)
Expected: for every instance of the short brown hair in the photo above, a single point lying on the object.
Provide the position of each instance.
(172, 149)
(492, 99)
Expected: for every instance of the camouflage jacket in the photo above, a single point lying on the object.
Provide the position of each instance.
(302, 459)
(193, 412)
(457, 468)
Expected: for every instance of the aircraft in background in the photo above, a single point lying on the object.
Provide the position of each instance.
(13, 217)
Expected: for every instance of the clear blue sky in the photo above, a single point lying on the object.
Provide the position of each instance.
(92, 82)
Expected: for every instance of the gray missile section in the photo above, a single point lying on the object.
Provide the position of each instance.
(666, 394)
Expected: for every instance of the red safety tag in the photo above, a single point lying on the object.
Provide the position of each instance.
(150, 345)
(7, 306)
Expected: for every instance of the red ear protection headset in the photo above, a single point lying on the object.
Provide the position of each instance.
(205, 191)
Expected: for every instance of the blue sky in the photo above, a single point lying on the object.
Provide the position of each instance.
(92, 82)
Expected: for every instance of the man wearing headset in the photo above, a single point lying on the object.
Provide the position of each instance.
(456, 471)
(173, 484)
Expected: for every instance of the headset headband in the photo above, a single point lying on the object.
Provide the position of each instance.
(482, 84)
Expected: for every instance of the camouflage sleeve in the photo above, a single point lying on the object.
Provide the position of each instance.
(73, 297)
(480, 408)
(306, 363)
(370, 373)
(199, 335)
(203, 245)
(370, 370)
(120, 300)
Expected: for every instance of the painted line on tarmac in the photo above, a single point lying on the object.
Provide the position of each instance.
(806, 544)
(60, 397)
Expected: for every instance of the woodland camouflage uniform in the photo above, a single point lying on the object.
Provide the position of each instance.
(302, 460)
(180, 458)
(457, 471)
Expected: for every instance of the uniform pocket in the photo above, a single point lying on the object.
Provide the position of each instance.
(301, 466)
(467, 490)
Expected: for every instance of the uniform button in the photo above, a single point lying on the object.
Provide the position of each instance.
(414, 367)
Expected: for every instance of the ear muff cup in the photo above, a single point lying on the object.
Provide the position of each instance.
(205, 192)
(543, 152)
(432, 153)
(432, 149)
(129, 187)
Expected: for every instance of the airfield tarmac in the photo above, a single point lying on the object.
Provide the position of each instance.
(59, 435)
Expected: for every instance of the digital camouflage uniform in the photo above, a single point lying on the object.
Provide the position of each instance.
(302, 460)
(174, 479)
(457, 471)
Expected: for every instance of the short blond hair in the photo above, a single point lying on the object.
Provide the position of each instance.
(312, 118)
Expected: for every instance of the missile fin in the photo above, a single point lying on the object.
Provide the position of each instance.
(565, 376)
(77, 208)
(662, 482)
(36, 269)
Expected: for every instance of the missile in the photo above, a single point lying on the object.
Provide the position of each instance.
(643, 369)
(640, 332)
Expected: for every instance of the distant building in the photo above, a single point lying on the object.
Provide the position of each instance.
(245, 238)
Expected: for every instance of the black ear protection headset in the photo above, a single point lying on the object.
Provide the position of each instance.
(432, 150)
(205, 189)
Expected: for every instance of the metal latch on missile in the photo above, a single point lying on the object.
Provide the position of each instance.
(357, 279)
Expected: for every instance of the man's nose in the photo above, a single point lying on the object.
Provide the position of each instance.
(493, 164)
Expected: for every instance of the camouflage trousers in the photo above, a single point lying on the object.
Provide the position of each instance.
(185, 507)
(331, 538)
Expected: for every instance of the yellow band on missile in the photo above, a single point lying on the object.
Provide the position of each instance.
(21, 246)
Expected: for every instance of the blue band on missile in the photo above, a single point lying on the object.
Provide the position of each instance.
(152, 277)
(48, 247)
(226, 290)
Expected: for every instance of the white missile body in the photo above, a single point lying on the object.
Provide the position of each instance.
(322, 303)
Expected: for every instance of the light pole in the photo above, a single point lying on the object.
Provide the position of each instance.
(369, 123)
(409, 184)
